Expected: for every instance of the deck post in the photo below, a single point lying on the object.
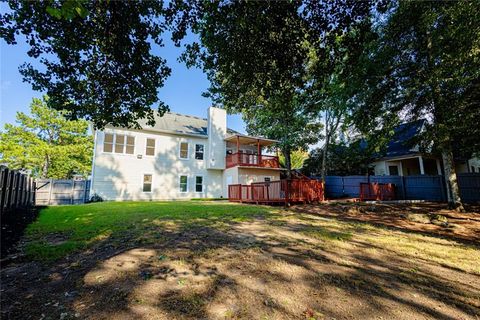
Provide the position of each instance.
(287, 191)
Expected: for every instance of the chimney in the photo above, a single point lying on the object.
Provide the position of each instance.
(217, 132)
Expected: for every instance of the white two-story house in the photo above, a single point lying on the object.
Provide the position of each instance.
(181, 157)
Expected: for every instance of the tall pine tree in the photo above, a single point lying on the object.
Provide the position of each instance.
(47, 144)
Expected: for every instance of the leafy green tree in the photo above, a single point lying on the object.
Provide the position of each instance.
(47, 144)
(336, 45)
(258, 56)
(297, 158)
(343, 159)
(425, 63)
(254, 54)
(96, 58)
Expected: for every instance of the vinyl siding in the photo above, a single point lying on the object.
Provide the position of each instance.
(120, 176)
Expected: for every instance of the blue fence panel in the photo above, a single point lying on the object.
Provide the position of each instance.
(421, 187)
(424, 188)
(351, 185)
(469, 185)
(333, 186)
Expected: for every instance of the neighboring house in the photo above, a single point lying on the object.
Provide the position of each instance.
(473, 165)
(181, 157)
(404, 158)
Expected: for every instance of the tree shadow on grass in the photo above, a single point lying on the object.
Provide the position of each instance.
(245, 272)
(394, 222)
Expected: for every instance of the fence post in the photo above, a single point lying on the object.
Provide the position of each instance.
(50, 191)
(404, 189)
(24, 189)
(27, 191)
(4, 182)
(8, 190)
(443, 188)
(287, 192)
(34, 192)
(72, 192)
(15, 186)
(85, 191)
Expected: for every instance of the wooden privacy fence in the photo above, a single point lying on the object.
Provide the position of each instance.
(53, 192)
(17, 190)
(286, 191)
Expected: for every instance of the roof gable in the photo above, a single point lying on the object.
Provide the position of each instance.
(402, 142)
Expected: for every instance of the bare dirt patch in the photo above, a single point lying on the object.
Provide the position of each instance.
(427, 218)
(290, 266)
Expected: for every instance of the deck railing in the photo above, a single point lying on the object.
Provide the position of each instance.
(251, 160)
(287, 191)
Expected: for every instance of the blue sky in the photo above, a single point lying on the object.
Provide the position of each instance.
(182, 90)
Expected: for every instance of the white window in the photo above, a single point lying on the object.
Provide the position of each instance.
(108, 143)
(147, 183)
(199, 148)
(183, 184)
(119, 143)
(198, 184)
(130, 146)
(150, 148)
(183, 150)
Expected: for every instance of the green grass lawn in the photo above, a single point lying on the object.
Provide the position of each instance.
(60, 230)
(219, 260)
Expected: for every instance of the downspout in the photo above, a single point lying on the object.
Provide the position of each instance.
(93, 162)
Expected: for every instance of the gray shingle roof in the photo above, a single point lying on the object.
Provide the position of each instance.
(402, 142)
(180, 124)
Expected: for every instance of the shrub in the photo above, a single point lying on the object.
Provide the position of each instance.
(96, 198)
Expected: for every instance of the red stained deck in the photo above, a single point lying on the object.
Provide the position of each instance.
(251, 160)
(281, 191)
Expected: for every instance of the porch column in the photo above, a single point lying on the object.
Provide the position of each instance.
(259, 152)
(422, 169)
(439, 168)
(238, 151)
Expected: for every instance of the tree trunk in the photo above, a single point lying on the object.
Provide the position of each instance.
(288, 162)
(324, 158)
(325, 147)
(46, 167)
(453, 193)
